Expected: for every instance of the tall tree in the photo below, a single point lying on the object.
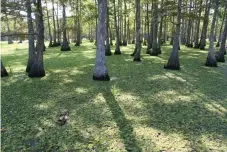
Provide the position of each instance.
(125, 25)
(58, 28)
(117, 49)
(196, 44)
(205, 26)
(31, 37)
(220, 33)
(100, 70)
(138, 44)
(65, 44)
(155, 49)
(173, 62)
(4, 73)
(78, 39)
(222, 51)
(107, 47)
(37, 69)
(211, 60)
(54, 32)
(49, 28)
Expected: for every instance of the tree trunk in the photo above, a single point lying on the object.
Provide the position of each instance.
(10, 41)
(117, 50)
(134, 31)
(100, 70)
(205, 26)
(107, 48)
(49, 28)
(54, 34)
(196, 45)
(125, 26)
(189, 29)
(31, 42)
(155, 49)
(211, 60)
(138, 43)
(65, 44)
(4, 73)
(222, 51)
(173, 62)
(220, 33)
(37, 69)
(58, 31)
(78, 40)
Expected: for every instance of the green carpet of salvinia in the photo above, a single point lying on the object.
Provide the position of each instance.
(143, 107)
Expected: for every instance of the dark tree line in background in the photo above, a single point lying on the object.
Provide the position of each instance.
(150, 23)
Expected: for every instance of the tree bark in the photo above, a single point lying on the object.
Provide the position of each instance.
(196, 44)
(58, 31)
(100, 70)
(78, 39)
(37, 69)
(220, 33)
(173, 62)
(4, 73)
(138, 43)
(31, 37)
(125, 26)
(117, 49)
(211, 59)
(205, 26)
(222, 51)
(49, 28)
(189, 29)
(155, 49)
(65, 45)
(54, 34)
(107, 48)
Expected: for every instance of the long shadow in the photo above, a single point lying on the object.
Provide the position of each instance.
(124, 125)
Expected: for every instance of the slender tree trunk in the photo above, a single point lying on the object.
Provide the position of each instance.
(78, 39)
(173, 62)
(155, 50)
(138, 44)
(189, 29)
(205, 26)
(222, 51)
(117, 50)
(220, 33)
(216, 31)
(125, 26)
(100, 70)
(107, 48)
(49, 28)
(134, 31)
(160, 30)
(111, 35)
(58, 31)
(31, 41)
(211, 60)
(196, 45)
(54, 34)
(37, 69)
(10, 41)
(65, 45)
(96, 25)
(4, 73)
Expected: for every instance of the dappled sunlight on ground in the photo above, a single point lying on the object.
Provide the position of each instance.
(143, 108)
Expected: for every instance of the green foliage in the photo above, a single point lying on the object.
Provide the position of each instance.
(142, 108)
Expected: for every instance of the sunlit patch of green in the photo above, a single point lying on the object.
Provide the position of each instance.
(143, 108)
